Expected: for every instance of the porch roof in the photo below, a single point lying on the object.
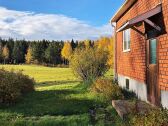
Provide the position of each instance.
(142, 18)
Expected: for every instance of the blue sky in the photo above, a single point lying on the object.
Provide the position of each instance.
(87, 14)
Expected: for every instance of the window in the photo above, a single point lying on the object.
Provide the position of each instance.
(127, 83)
(153, 47)
(126, 40)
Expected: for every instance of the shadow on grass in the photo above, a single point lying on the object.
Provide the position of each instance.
(53, 103)
(59, 107)
(53, 83)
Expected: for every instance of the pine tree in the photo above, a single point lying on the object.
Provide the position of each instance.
(52, 53)
(18, 52)
(73, 44)
(49, 54)
(35, 52)
(38, 51)
(10, 44)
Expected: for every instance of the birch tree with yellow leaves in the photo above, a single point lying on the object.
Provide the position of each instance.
(111, 53)
(66, 52)
(5, 53)
(107, 44)
(28, 56)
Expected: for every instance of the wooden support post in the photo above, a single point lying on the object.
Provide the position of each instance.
(143, 34)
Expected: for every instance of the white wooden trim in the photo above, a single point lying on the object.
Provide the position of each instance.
(127, 50)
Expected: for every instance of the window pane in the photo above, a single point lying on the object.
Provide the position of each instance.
(125, 45)
(126, 40)
(128, 44)
(129, 38)
(153, 51)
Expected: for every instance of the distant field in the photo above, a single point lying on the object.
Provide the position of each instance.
(59, 100)
(42, 73)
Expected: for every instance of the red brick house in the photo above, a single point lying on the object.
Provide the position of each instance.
(141, 49)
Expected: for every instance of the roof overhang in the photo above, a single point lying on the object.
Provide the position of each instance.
(143, 18)
(127, 4)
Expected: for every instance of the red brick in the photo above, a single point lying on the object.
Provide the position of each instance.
(133, 63)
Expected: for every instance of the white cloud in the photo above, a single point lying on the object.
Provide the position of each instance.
(33, 26)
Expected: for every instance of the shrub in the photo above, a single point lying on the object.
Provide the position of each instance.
(26, 84)
(129, 95)
(89, 63)
(9, 88)
(106, 88)
(156, 117)
(13, 86)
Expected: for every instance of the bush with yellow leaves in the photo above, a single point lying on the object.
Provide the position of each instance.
(107, 89)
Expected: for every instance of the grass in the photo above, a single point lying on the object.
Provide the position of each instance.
(43, 74)
(60, 99)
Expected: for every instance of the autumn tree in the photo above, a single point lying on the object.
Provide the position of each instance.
(66, 51)
(5, 53)
(103, 43)
(89, 63)
(1, 48)
(81, 44)
(28, 56)
(106, 44)
(88, 43)
(111, 53)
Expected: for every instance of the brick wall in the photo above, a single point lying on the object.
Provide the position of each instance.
(163, 51)
(133, 63)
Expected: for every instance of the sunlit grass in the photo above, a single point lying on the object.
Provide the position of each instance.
(59, 99)
(42, 73)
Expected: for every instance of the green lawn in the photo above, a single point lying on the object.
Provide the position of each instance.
(60, 99)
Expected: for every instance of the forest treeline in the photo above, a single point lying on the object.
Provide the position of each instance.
(43, 52)
(37, 52)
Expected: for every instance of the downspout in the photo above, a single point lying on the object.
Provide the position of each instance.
(115, 52)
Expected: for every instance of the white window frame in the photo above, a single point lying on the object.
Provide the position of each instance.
(128, 49)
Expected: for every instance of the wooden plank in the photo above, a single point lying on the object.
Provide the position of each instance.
(141, 18)
(153, 24)
(146, 15)
(143, 34)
